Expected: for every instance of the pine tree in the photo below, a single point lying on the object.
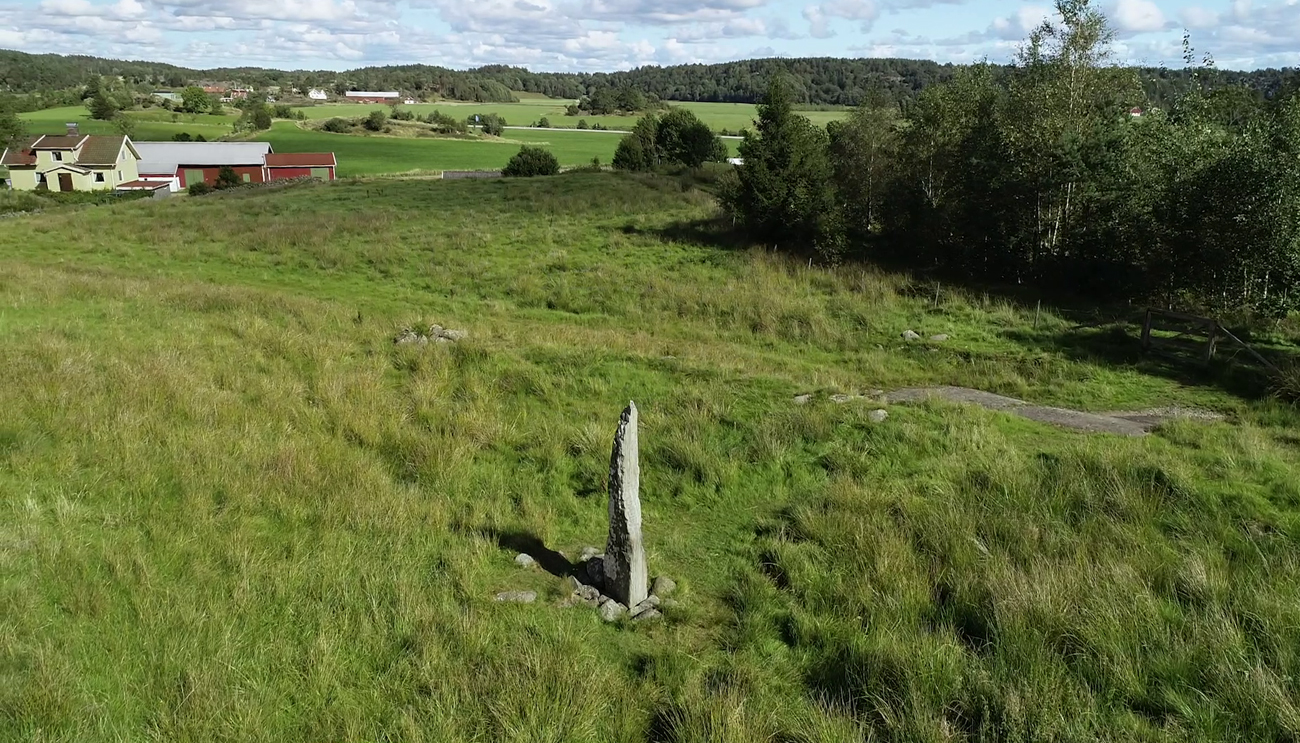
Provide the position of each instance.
(783, 192)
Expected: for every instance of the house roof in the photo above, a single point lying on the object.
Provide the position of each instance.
(142, 185)
(59, 142)
(102, 149)
(20, 153)
(152, 168)
(204, 153)
(69, 166)
(372, 94)
(301, 160)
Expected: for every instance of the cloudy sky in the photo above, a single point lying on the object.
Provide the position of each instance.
(593, 35)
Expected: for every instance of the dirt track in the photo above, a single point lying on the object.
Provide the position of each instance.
(1131, 423)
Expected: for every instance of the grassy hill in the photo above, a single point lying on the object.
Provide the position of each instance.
(233, 509)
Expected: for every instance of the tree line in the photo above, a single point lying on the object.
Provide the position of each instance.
(45, 80)
(1044, 173)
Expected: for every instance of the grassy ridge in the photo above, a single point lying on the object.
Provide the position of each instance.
(233, 510)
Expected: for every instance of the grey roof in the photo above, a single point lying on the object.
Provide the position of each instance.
(152, 168)
(203, 153)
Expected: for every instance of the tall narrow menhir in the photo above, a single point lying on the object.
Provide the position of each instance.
(625, 569)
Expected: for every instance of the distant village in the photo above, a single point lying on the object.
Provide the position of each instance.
(96, 162)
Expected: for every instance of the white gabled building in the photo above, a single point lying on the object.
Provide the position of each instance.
(316, 94)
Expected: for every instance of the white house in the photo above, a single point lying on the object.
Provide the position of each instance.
(316, 94)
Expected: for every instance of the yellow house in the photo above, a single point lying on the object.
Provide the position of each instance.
(71, 162)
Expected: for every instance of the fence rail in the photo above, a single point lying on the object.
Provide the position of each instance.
(1188, 329)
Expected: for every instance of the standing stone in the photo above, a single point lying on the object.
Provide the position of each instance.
(625, 568)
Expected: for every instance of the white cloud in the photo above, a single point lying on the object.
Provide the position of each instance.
(1137, 16)
(819, 17)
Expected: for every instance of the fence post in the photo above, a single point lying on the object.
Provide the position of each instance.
(1210, 342)
(1146, 331)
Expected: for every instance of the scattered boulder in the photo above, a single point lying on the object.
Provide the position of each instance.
(520, 597)
(878, 415)
(647, 615)
(663, 585)
(911, 335)
(436, 333)
(939, 337)
(588, 553)
(447, 334)
(588, 594)
(612, 611)
(648, 605)
(524, 560)
(803, 399)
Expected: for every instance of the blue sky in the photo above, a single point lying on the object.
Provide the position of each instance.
(570, 35)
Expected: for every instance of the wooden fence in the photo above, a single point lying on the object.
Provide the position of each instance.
(1191, 332)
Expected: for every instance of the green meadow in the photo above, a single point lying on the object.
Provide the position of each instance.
(232, 509)
(150, 124)
(730, 116)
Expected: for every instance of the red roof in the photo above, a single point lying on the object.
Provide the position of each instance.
(151, 185)
(301, 160)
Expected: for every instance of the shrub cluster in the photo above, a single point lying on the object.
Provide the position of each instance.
(531, 161)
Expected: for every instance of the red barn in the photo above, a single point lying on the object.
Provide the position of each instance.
(301, 165)
(202, 161)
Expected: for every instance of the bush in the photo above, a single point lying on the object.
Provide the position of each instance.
(182, 137)
(337, 125)
(530, 161)
(375, 121)
(493, 124)
(199, 189)
(444, 124)
(582, 123)
(543, 123)
(227, 177)
(401, 114)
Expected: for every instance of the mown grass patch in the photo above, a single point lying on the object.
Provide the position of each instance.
(232, 509)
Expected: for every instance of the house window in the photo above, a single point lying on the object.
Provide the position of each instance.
(40, 177)
(99, 177)
(247, 177)
(58, 157)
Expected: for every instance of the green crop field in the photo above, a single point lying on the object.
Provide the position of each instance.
(232, 509)
(731, 116)
(150, 124)
(362, 155)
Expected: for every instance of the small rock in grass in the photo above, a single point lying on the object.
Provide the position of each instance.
(446, 334)
(647, 615)
(669, 603)
(662, 586)
(568, 602)
(588, 553)
(587, 593)
(939, 337)
(648, 605)
(911, 335)
(842, 398)
(524, 560)
(803, 399)
(878, 416)
(611, 611)
(520, 597)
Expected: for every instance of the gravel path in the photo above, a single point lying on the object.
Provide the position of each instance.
(1132, 423)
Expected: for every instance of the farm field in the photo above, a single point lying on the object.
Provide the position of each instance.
(231, 508)
(361, 155)
(731, 116)
(150, 123)
(357, 155)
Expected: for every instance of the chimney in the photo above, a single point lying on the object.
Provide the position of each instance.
(72, 129)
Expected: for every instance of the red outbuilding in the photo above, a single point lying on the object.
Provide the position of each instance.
(301, 165)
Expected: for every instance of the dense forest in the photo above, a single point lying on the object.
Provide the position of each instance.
(49, 79)
(1040, 174)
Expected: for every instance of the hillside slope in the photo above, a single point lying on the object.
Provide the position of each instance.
(232, 509)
